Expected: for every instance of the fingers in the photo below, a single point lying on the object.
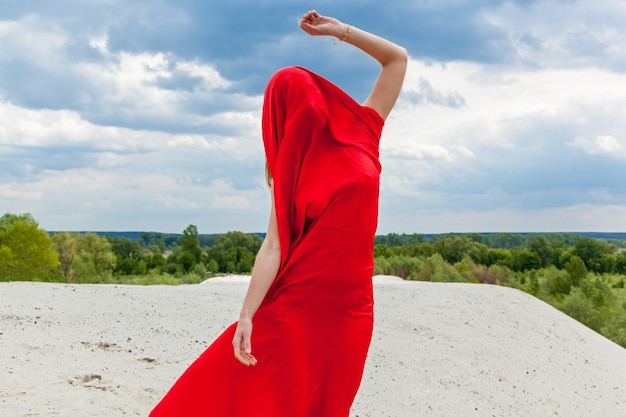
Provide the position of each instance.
(310, 17)
(247, 346)
(245, 357)
(242, 349)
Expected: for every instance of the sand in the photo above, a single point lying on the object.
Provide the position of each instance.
(438, 350)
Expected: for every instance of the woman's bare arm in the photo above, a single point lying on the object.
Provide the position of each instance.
(393, 58)
(265, 269)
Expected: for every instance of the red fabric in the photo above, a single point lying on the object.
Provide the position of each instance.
(313, 329)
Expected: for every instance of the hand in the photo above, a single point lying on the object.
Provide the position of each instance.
(242, 346)
(317, 25)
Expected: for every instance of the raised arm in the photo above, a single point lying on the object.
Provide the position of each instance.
(392, 58)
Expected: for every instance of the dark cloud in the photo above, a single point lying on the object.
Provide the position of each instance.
(242, 37)
(20, 162)
(246, 43)
(32, 86)
(532, 41)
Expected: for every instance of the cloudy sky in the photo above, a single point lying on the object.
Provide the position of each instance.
(145, 114)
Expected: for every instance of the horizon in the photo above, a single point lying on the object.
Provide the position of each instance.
(377, 234)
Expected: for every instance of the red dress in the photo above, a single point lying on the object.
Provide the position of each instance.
(312, 331)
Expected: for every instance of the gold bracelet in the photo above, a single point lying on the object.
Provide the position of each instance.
(346, 35)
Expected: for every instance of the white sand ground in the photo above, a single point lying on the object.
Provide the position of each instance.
(438, 350)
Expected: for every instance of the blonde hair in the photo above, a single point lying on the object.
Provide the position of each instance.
(268, 175)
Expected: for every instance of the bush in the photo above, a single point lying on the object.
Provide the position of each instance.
(200, 271)
(554, 283)
(234, 252)
(501, 257)
(576, 270)
(615, 328)
(381, 266)
(579, 307)
(25, 250)
(597, 291)
(436, 269)
(494, 274)
(406, 267)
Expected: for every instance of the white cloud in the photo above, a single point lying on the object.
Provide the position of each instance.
(32, 39)
(117, 87)
(209, 75)
(13, 191)
(498, 103)
(562, 34)
(600, 145)
(101, 199)
(230, 202)
(93, 136)
(171, 202)
(63, 128)
(513, 135)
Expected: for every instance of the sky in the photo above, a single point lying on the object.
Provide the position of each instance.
(144, 115)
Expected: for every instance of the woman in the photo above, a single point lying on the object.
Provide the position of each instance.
(310, 299)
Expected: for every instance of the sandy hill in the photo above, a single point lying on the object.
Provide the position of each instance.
(440, 350)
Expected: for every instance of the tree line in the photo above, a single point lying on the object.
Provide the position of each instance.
(29, 253)
(582, 276)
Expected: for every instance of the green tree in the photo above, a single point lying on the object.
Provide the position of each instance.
(212, 266)
(190, 242)
(597, 291)
(479, 238)
(592, 304)
(592, 251)
(156, 261)
(558, 249)
(8, 219)
(576, 270)
(391, 239)
(508, 240)
(382, 251)
(524, 260)
(620, 263)
(579, 307)
(615, 328)
(500, 257)
(95, 258)
(478, 252)
(608, 263)
(234, 252)
(453, 248)
(424, 249)
(541, 246)
(65, 245)
(402, 266)
(25, 249)
(554, 284)
(436, 269)
(187, 261)
(128, 256)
